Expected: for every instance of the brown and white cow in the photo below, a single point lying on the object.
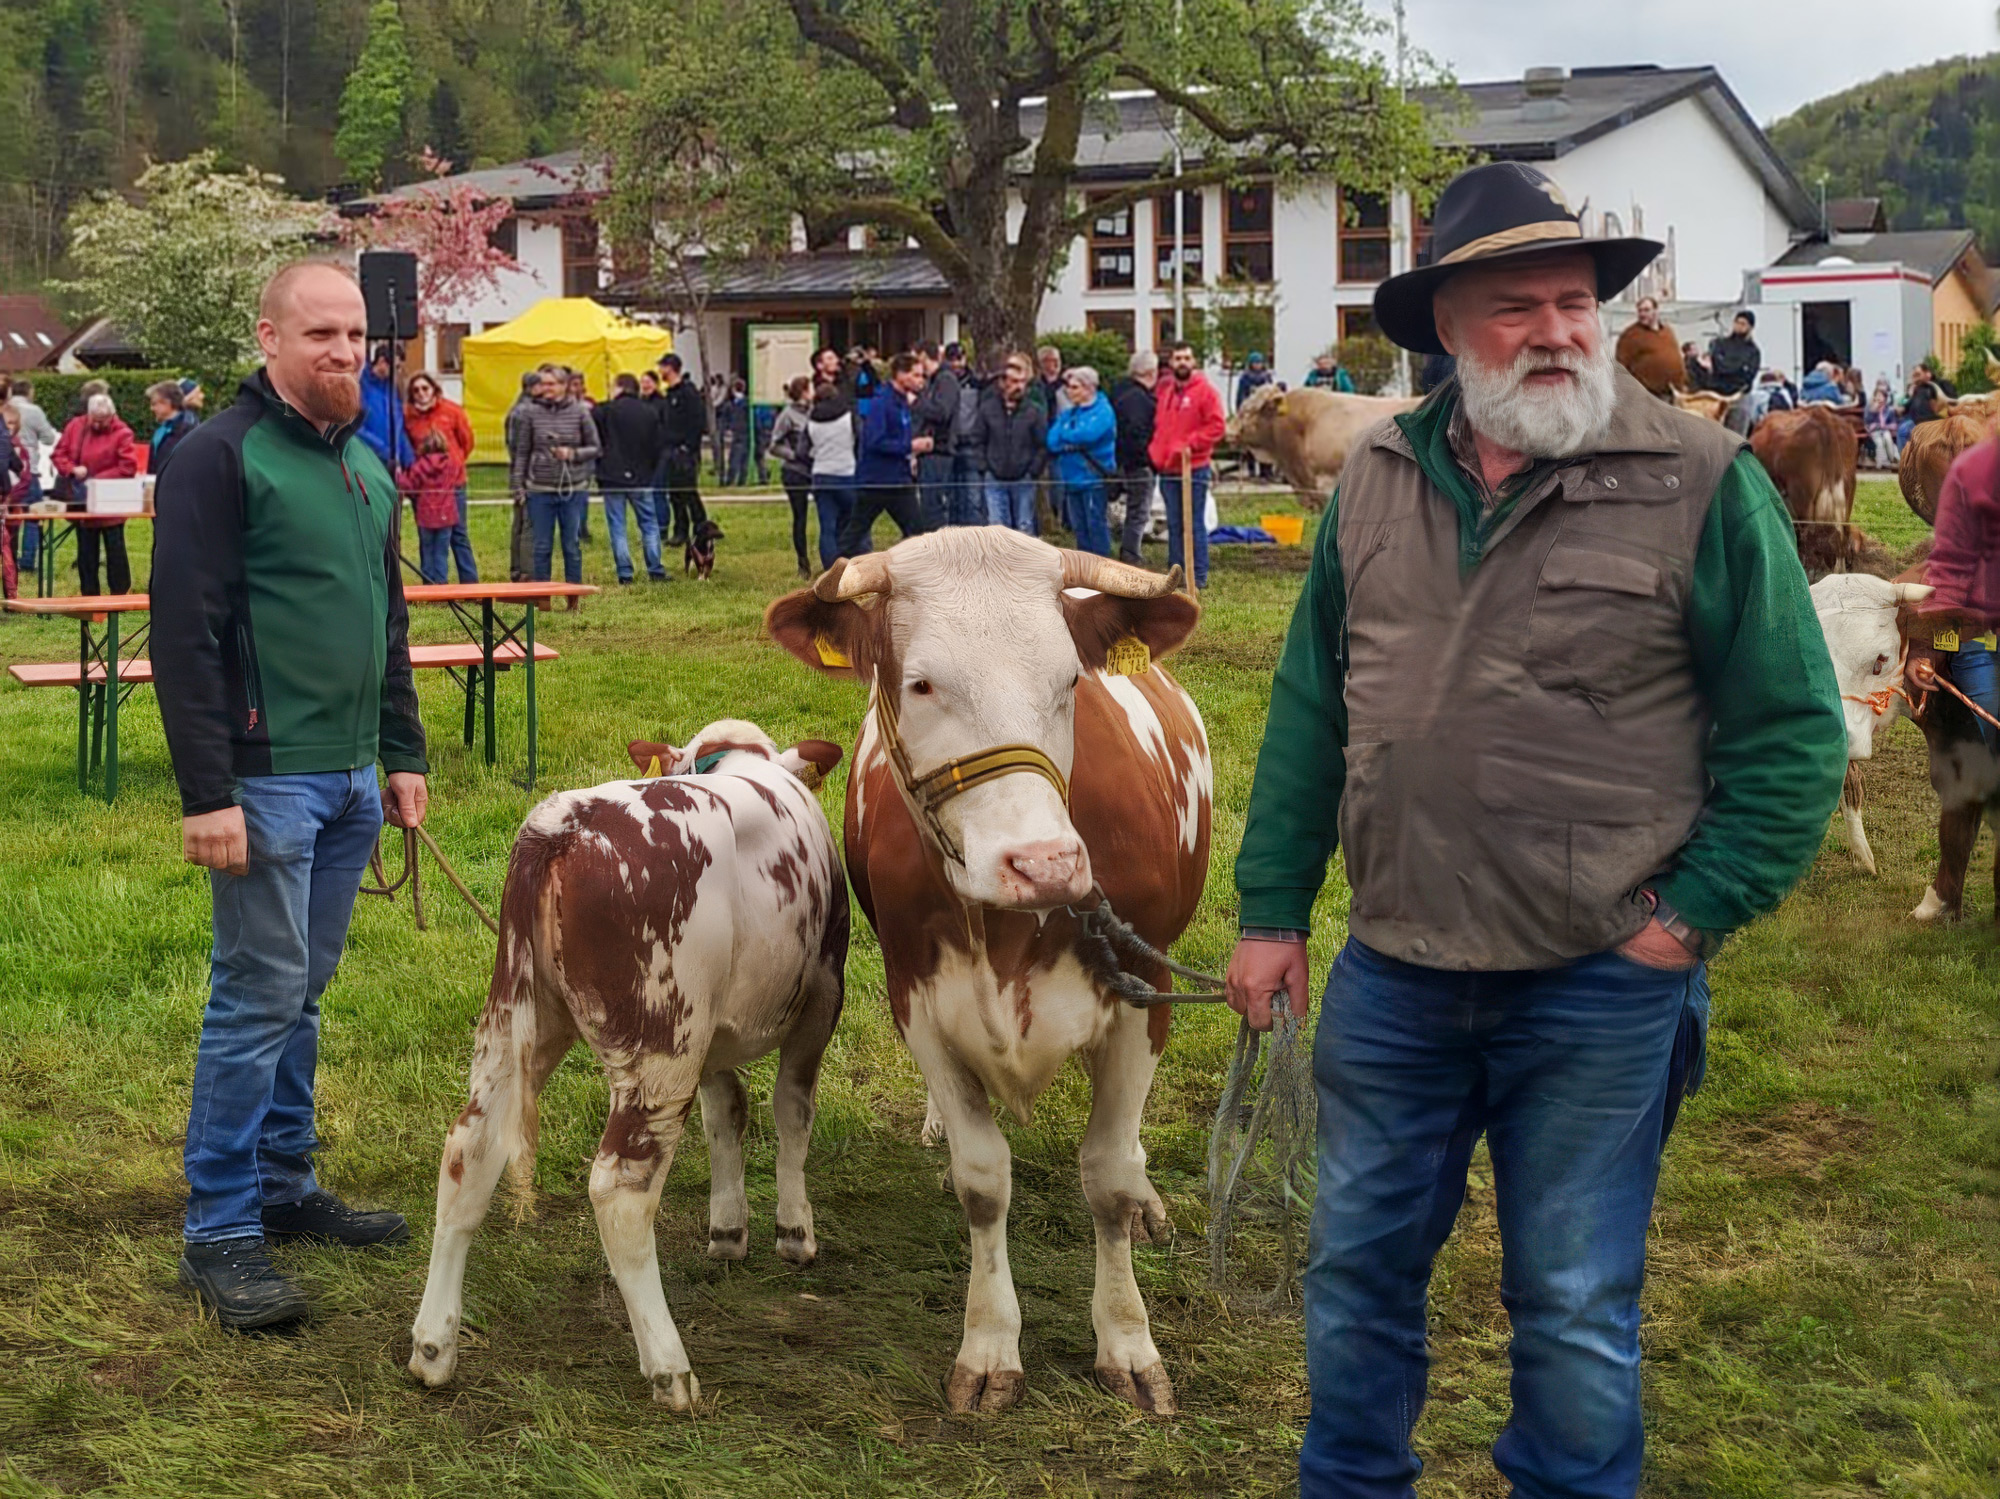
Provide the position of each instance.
(988, 669)
(1929, 454)
(1309, 432)
(1810, 455)
(1858, 616)
(682, 925)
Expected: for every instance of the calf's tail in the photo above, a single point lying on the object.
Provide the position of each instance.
(524, 983)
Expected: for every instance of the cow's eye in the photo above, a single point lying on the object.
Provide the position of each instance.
(921, 688)
(1881, 665)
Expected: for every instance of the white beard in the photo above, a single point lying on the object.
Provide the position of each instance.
(1541, 421)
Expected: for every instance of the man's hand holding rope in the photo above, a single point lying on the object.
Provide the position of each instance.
(1265, 965)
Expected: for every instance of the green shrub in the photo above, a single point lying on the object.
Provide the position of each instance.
(1100, 349)
(1973, 374)
(56, 394)
(1370, 361)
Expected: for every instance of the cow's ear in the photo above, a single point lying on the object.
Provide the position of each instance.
(652, 759)
(832, 638)
(1099, 623)
(811, 760)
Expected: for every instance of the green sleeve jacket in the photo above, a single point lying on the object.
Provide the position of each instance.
(280, 638)
(1775, 758)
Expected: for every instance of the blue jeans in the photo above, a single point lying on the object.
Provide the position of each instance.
(833, 499)
(934, 489)
(968, 494)
(545, 512)
(1011, 502)
(1170, 494)
(1572, 1074)
(1086, 516)
(649, 531)
(434, 554)
(279, 931)
(1974, 673)
(461, 545)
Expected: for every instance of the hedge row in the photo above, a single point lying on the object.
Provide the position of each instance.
(57, 395)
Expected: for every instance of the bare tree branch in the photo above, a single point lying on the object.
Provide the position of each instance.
(821, 27)
(905, 217)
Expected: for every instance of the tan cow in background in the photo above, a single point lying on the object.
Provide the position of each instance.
(1929, 454)
(1308, 433)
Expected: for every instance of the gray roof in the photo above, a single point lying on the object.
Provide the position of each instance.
(825, 276)
(540, 182)
(1932, 251)
(1133, 134)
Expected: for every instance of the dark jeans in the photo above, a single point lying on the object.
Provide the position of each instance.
(520, 545)
(934, 489)
(833, 498)
(643, 507)
(899, 500)
(968, 493)
(1086, 518)
(434, 554)
(678, 477)
(1170, 493)
(112, 539)
(1135, 487)
(735, 458)
(1973, 671)
(548, 512)
(279, 932)
(461, 544)
(798, 490)
(1573, 1075)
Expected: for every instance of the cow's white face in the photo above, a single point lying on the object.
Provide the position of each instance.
(1857, 614)
(970, 631)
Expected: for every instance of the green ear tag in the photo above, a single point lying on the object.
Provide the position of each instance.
(1128, 658)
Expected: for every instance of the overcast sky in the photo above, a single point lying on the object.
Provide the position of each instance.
(1776, 56)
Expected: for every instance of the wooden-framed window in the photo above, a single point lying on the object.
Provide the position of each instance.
(1356, 321)
(1124, 324)
(505, 237)
(582, 273)
(451, 339)
(1163, 237)
(1364, 237)
(1420, 237)
(1246, 233)
(1165, 334)
(1112, 250)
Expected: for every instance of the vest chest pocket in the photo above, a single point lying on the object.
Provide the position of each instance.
(1598, 621)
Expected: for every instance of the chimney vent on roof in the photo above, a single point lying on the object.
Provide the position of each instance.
(1544, 83)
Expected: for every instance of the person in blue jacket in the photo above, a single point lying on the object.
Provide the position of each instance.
(382, 414)
(1084, 439)
(884, 478)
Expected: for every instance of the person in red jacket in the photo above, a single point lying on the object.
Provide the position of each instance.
(433, 484)
(1188, 420)
(1964, 570)
(97, 445)
(426, 411)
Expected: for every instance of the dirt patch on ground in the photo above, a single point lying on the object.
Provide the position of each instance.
(1806, 1139)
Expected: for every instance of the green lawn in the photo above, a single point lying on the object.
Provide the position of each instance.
(1823, 1314)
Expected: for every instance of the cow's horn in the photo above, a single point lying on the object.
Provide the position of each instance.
(1910, 593)
(1088, 570)
(850, 577)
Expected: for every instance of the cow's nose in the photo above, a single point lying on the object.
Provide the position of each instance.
(1053, 872)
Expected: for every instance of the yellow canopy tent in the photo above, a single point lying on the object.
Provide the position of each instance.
(562, 330)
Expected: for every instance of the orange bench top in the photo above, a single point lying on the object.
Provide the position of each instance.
(449, 593)
(65, 673)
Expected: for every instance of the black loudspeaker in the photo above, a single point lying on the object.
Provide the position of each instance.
(389, 287)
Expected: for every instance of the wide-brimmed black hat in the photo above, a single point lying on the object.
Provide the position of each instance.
(1501, 210)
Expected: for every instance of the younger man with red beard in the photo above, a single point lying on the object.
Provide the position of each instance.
(281, 655)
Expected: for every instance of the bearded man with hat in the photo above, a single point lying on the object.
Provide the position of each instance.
(1556, 685)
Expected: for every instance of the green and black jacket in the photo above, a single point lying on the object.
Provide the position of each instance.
(280, 636)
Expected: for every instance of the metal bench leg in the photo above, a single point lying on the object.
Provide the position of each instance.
(111, 708)
(486, 625)
(531, 696)
(471, 702)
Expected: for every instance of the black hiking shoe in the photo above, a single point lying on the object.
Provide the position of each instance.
(322, 1218)
(235, 1277)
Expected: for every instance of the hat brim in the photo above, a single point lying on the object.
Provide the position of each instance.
(1403, 303)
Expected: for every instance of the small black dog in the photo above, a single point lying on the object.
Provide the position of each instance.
(699, 558)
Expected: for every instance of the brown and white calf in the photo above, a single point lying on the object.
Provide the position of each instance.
(1858, 616)
(682, 925)
(988, 671)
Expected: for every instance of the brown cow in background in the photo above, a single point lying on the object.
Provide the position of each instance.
(1929, 453)
(1810, 456)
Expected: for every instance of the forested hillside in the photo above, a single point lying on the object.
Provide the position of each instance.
(1927, 142)
(96, 86)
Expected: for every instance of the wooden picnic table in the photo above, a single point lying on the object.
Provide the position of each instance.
(58, 528)
(100, 685)
(482, 629)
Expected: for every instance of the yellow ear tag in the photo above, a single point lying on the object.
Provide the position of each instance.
(1945, 640)
(653, 768)
(1128, 658)
(829, 653)
(1280, 407)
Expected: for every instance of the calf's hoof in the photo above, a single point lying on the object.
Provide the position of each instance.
(796, 1245)
(677, 1391)
(986, 1390)
(1149, 1388)
(1932, 908)
(1149, 1222)
(434, 1360)
(728, 1243)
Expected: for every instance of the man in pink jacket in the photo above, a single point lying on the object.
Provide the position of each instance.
(1188, 421)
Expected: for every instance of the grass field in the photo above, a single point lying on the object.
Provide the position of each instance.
(1823, 1310)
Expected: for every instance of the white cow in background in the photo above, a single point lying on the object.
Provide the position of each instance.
(1857, 614)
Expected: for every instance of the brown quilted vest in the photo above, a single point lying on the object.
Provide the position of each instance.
(1524, 746)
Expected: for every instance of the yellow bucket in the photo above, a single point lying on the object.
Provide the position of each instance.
(1290, 530)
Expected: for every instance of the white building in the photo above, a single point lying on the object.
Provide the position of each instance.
(1669, 153)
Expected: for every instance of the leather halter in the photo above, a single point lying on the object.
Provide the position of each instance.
(928, 792)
